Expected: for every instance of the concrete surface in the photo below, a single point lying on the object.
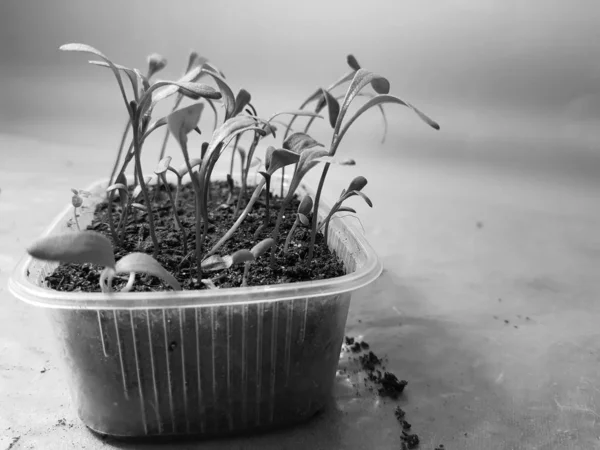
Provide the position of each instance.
(488, 306)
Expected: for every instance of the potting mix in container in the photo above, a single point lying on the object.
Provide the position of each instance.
(188, 302)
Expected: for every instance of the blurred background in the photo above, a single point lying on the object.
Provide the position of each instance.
(514, 84)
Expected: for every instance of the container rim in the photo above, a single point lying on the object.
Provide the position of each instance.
(25, 290)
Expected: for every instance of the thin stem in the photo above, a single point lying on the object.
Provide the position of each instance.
(163, 178)
(245, 275)
(75, 215)
(313, 231)
(290, 235)
(239, 220)
(120, 151)
(138, 171)
(110, 219)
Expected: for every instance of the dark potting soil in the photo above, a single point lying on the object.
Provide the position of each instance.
(386, 383)
(288, 268)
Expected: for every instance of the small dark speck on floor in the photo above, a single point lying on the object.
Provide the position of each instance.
(506, 321)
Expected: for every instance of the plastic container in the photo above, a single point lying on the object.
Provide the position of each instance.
(205, 363)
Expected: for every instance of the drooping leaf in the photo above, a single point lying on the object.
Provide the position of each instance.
(89, 49)
(298, 142)
(361, 78)
(241, 100)
(346, 209)
(357, 184)
(280, 158)
(225, 90)
(260, 248)
(216, 262)
(381, 99)
(135, 80)
(166, 91)
(363, 196)
(143, 263)
(242, 256)
(303, 219)
(76, 248)
(352, 62)
(163, 165)
(192, 90)
(305, 206)
(184, 120)
(156, 63)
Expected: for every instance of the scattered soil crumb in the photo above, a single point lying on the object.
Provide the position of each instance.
(527, 318)
(440, 447)
(506, 321)
(409, 441)
(14, 442)
(399, 413)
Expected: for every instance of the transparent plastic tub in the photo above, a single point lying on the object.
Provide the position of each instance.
(202, 363)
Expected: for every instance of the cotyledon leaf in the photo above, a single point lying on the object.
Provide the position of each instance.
(143, 263)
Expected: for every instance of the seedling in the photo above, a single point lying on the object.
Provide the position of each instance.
(301, 217)
(91, 247)
(216, 262)
(354, 189)
(237, 117)
(77, 201)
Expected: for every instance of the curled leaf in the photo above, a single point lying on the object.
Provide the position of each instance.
(242, 256)
(143, 263)
(306, 205)
(225, 91)
(298, 142)
(357, 184)
(156, 63)
(163, 165)
(333, 107)
(216, 262)
(262, 247)
(76, 248)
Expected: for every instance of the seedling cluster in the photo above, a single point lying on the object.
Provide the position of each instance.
(130, 199)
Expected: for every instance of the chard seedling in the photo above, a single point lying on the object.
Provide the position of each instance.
(161, 171)
(246, 257)
(354, 189)
(77, 201)
(91, 247)
(301, 217)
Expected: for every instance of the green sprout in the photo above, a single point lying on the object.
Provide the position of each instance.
(301, 217)
(77, 202)
(246, 257)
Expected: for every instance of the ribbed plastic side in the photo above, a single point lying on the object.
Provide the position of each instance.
(209, 370)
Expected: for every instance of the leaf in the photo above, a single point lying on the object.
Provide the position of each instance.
(119, 186)
(122, 178)
(138, 189)
(183, 170)
(281, 158)
(298, 142)
(131, 74)
(139, 206)
(155, 125)
(357, 184)
(378, 100)
(352, 62)
(74, 191)
(89, 49)
(255, 162)
(156, 63)
(184, 120)
(332, 106)
(190, 89)
(265, 175)
(216, 262)
(364, 197)
(340, 162)
(143, 263)
(361, 78)
(208, 283)
(230, 182)
(165, 91)
(305, 205)
(345, 209)
(242, 256)
(163, 165)
(260, 248)
(76, 201)
(303, 219)
(297, 113)
(226, 92)
(308, 159)
(242, 99)
(76, 248)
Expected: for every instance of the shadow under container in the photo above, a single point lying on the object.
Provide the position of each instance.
(201, 363)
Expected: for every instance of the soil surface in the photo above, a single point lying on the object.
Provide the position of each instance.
(288, 268)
